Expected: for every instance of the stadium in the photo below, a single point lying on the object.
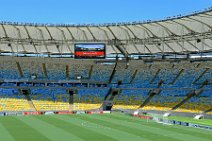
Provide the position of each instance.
(148, 80)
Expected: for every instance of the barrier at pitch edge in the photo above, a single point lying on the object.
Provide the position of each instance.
(64, 112)
(186, 124)
(98, 112)
(143, 117)
(200, 126)
(47, 112)
(32, 113)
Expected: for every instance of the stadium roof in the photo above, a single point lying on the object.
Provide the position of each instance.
(180, 34)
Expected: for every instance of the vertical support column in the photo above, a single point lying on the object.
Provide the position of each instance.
(71, 99)
(20, 70)
(67, 72)
(90, 72)
(44, 70)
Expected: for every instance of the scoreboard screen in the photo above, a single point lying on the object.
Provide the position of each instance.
(89, 50)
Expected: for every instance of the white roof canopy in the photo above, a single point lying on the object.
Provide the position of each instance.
(186, 34)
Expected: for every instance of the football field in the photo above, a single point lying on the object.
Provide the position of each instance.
(111, 127)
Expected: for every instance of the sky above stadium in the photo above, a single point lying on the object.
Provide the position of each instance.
(95, 11)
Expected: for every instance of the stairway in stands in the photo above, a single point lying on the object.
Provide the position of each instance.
(26, 93)
(151, 94)
(191, 94)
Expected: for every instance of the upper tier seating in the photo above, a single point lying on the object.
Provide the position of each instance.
(138, 78)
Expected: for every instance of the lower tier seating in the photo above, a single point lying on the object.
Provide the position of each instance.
(86, 99)
(14, 104)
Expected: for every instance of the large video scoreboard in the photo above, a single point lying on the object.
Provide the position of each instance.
(89, 50)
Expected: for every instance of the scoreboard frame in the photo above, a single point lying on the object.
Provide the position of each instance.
(89, 50)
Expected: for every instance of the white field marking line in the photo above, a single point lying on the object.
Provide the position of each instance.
(165, 123)
(86, 124)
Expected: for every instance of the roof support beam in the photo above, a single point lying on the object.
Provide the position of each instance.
(120, 48)
(50, 35)
(192, 31)
(118, 43)
(51, 38)
(64, 37)
(158, 38)
(200, 22)
(131, 32)
(191, 19)
(130, 38)
(105, 32)
(30, 38)
(147, 31)
(210, 27)
(94, 38)
(148, 35)
(19, 35)
(41, 34)
(5, 32)
(172, 34)
(6, 36)
(83, 31)
(69, 31)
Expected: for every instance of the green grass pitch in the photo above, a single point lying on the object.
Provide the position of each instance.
(107, 127)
